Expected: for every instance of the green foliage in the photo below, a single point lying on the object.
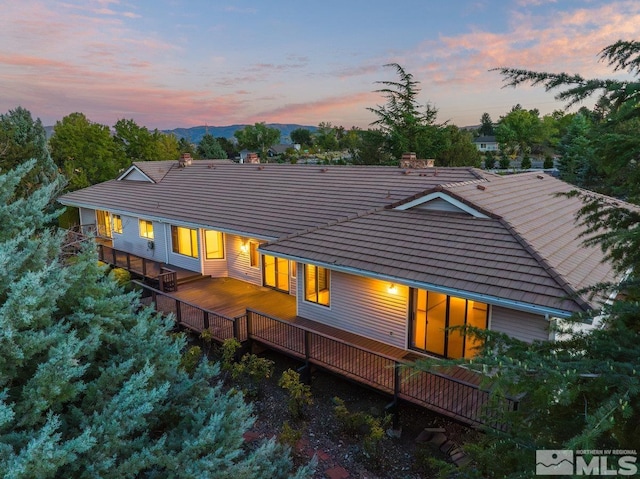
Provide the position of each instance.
(577, 160)
(325, 137)
(302, 136)
(92, 382)
(504, 161)
(137, 143)
(615, 118)
(21, 139)
(365, 426)
(85, 151)
(525, 164)
(190, 359)
(519, 130)
(249, 371)
(300, 395)
(548, 162)
(289, 435)
(120, 276)
(489, 160)
(486, 125)
(257, 137)
(210, 148)
(457, 148)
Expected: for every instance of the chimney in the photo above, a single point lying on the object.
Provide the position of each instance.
(252, 158)
(185, 160)
(409, 160)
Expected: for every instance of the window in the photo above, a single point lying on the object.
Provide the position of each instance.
(254, 257)
(103, 220)
(214, 244)
(184, 241)
(433, 313)
(117, 224)
(146, 229)
(317, 285)
(275, 272)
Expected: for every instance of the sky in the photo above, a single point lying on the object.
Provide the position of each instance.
(177, 63)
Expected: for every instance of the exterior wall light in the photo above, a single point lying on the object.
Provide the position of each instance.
(244, 247)
(392, 288)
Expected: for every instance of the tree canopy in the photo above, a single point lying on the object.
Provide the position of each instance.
(257, 137)
(92, 381)
(210, 148)
(614, 135)
(85, 151)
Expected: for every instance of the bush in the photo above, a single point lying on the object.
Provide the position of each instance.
(505, 162)
(525, 164)
(299, 394)
(369, 428)
(289, 435)
(121, 276)
(489, 160)
(249, 371)
(548, 162)
(190, 359)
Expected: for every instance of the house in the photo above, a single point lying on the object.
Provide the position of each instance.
(486, 143)
(394, 255)
(281, 149)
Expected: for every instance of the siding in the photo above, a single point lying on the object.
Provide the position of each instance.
(438, 204)
(216, 268)
(362, 306)
(520, 325)
(131, 242)
(238, 262)
(135, 175)
(87, 216)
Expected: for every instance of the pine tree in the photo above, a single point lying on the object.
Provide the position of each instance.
(91, 381)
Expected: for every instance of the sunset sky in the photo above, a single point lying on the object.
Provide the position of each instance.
(178, 63)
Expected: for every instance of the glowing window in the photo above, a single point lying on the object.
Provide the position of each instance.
(184, 241)
(146, 229)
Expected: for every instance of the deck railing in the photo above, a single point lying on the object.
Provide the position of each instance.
(448, 395)
(149, 269)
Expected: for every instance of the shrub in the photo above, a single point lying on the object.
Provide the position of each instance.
(249, 371)
(289, 435)
(489, 160)
(299, 394)
(548, 162)
(190, 359)
(504, 162)
(525, 164)
(121, 276)
(365, 426)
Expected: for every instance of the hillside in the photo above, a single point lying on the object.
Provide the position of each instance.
(195, 134)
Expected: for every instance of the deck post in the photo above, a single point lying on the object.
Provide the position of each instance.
(178, 312)
(205, 319)
(305, 371)
(393, 405)
(114, 259)
(144, 267)
(236, 330)
(128, 261)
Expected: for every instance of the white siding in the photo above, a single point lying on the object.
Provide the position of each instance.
(293, 282)
(131, 241)
(181, 260)
(238, 262)
(87, 217)
(518, 324)
(135, 175)
(438, 204)
(362, 306)
(216, 268)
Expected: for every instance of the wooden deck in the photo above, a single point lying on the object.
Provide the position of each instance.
(268, 317)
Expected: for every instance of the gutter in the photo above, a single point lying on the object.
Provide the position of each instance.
(507, 303)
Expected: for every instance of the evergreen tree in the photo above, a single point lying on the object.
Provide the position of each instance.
(210, 148)
(91, 381)
(22, 138)
(577, 160)
(486, 125)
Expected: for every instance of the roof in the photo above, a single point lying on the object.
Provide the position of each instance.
(265, 201)
(442, 251)
(485, 139)
(522, 246)
(536, 207)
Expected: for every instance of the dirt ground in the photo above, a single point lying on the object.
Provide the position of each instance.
(341, 455)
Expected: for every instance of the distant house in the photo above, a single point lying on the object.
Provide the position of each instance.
(280, 149)
(486, 143)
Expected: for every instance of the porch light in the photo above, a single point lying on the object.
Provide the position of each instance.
(392, 288)
(244, 247)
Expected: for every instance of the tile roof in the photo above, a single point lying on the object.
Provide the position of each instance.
(457, 251)
(535, 207)
(265, 201)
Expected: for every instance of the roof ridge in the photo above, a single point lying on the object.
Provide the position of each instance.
(553, 273)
